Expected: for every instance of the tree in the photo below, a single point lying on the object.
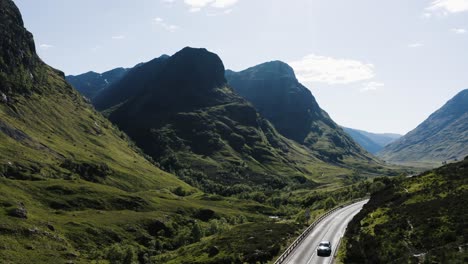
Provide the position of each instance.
(329, 203)
(122, 254)
(376, 186)
(197, 232)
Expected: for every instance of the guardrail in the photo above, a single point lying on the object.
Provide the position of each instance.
(304, 234)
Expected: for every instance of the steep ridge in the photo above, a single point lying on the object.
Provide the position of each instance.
(273, 89)
(186, 117)
(44, 121)
(421, 219)
(441, 137)
(92, 83)
(372, 142)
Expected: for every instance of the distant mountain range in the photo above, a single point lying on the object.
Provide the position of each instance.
(441, 137)
(91, 83)
(372, 142)
(280, 98)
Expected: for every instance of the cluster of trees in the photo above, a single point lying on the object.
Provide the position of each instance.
(168, 236)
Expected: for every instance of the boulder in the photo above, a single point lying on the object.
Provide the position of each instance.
(19, 212)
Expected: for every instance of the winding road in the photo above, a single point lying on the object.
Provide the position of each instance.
(331, 228)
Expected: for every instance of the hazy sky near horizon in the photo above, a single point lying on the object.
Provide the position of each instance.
(380, 66)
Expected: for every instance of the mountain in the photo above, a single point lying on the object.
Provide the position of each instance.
(276, 93)
(421, 219)
(91, 83)
(45, 123)
(181, 112)
(372, 142)
(441, 137)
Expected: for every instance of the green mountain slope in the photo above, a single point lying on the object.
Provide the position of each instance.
(49, 131)
(372, 142)
(413, 220)
(92, 83)
(441, 137)
(182, 113)
(275, 92)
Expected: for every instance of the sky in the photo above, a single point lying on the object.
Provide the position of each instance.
(379, 66)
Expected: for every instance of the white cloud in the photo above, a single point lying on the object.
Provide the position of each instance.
(371, 86)
(194, 9)
(169, 27)
(118, 37)
(415, 45)
(197, 5)
(458, 30)
(315, 68)
(46, 46)
(448, 6)
(223, 3)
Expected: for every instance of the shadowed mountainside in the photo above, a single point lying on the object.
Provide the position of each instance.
(183, 114)
(275, 92)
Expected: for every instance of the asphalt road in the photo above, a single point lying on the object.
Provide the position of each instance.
(331, 228)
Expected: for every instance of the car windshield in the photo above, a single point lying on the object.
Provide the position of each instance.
(324, 244)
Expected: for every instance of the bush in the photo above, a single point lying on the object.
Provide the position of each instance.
(122, 254)
(329, 203)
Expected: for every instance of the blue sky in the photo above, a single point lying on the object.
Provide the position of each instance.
(381, 66)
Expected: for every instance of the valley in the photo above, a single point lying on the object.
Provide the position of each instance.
(180, 160)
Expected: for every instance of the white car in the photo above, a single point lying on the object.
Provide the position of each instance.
(324, 248)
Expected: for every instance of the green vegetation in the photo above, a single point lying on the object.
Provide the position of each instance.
(413, 220)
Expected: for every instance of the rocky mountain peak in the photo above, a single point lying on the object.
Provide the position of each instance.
(16, 43)
(268, 70)
(194, 68)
